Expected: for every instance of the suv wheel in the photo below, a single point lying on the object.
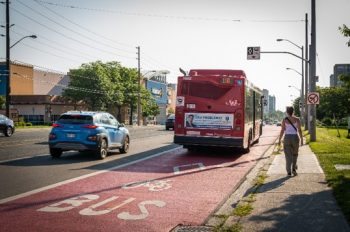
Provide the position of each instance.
(102, 151)
(8, 131)
(55, 153)
(125, 147)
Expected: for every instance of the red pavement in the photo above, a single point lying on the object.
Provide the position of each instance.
(153, 195)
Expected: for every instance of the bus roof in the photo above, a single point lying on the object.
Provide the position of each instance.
(216, 72)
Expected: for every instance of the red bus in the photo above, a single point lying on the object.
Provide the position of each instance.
(217, 108)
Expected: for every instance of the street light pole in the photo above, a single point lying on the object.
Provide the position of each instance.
(7, 105)
(139, 88)
(302, 112)
(302, 77)
(8, 57)
(306, 72)
(28, 36)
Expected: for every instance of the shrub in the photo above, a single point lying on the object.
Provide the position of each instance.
(327, 121)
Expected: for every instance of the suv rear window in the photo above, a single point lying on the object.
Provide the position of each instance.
(75, 119)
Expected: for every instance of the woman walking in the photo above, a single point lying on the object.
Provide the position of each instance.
(291, 128)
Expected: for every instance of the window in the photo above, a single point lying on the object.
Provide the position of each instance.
(204, 90)
(75, 119)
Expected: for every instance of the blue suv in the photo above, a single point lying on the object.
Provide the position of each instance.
(99, 132)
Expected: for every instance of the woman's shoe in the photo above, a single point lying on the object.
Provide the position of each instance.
(295, 173)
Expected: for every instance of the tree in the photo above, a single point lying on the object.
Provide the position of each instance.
(346, 32)
(97, 84)
(345, 78)
(333, 102)
(149, 104)
(130, 89)
(296, 106)
(171, 111)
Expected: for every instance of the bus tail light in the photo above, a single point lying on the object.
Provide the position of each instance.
(238, 121)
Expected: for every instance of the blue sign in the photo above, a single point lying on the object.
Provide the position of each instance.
(3, 77)
(158, 91)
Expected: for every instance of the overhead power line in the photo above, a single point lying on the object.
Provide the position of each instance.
(61, 45)
(165, 16)
(139, 14)
(82, 27)
(68, 37)
(71, 30)
(54, 47)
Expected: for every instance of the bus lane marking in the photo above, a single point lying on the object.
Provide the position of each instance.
(35, 191)
(152, 185)
(74, 202)
(177, 171)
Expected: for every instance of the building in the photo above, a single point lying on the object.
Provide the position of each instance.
(172, 88)
(266, 101)
(272, 104)
(156, 84)
(36, 95)
(338, 69)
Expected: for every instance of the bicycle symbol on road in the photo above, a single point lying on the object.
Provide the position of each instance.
(313, 98)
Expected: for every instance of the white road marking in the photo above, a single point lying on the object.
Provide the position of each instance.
(2, 201)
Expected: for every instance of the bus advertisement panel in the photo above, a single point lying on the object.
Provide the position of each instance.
(209, 120)
(217, 108)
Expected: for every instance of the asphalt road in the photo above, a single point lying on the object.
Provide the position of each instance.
(33, 142)
(155, 187)
(27, 165)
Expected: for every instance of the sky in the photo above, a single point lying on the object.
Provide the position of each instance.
(191, 34)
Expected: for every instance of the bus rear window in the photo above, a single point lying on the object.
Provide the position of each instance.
(203, 90)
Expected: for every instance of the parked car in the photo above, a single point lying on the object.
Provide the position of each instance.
(99, 132)
(170, 121)
(6, 125)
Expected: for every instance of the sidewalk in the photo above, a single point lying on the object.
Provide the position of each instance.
(300, 203)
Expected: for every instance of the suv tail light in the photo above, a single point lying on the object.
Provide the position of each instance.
(52, 136)
(56, 125)
(89, 127)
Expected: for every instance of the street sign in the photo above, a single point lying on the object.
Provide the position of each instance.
(253, 53)
(313, 98)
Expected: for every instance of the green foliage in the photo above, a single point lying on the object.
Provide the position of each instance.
(296, 107)
(346, 32)
(327, 121)
(2, 102)
(171, 111)
(20, 124)
(345, 78)
(149, 105)
(333, 102)
(96, 83)
(331, 150)
(243, 209)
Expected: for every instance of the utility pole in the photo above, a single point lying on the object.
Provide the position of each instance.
(312, 129)
(8, 61)
(306, 108)
(139, 87)
(302, 88)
